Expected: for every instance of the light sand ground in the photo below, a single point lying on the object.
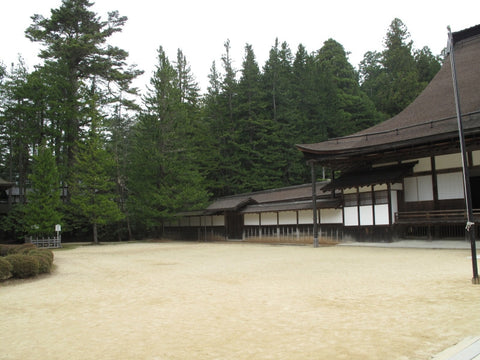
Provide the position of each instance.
(241, 301)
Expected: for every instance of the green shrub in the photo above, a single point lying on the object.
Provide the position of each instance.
(44, 264)
(24, 266)
(5, 249)
(22, 249)
(45, 259)
(5, 269)
(43, 252)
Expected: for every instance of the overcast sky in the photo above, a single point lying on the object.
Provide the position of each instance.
(200, 28)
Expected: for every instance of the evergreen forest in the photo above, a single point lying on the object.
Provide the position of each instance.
(108, 161)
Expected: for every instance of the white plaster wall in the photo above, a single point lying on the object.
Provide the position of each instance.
(418, 188)
(476, 157)
(366, 215)
(305, 217)
(380, 187)
(331, 216)
(251, 219)
(394, 204)
(396, 186)
(195, 221)
(350, 191)
(448, 161)
(411, 189)
(268, 218)
(381, 214)
(218, 220)
(351, 216)
(184, 221)
(206, 220)
(287, 217)
(365, 189)
(424, 164)
(450, 186)
(425, 188)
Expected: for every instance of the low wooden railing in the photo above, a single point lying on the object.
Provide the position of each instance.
(435, 216)
(54, 242)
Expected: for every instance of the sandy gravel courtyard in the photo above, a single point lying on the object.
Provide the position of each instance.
(241, 301)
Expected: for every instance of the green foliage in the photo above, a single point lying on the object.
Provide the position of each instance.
(19, 249)
(46, 253)
(351, 110)
(45, 259)
(23, 266)
(164, 177)
(93, 191)
(42, 211)
(396, 76)
(4, 249)
(5, 269)
(23, 261)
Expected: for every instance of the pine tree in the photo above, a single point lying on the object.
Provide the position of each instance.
(219, 117)
(397, 75)
(164, 178)
(42, 211)
(16, 123)
(257, 146)
(76, 54)
(427, 65)
(93, 187)
(350, 109)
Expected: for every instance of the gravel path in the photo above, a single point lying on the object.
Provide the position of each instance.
(241, 301)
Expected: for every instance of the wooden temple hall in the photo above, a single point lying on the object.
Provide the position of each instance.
(402, 178)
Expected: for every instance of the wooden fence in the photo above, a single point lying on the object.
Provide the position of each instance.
(54, 242)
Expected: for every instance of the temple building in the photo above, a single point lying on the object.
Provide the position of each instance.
(403, 177)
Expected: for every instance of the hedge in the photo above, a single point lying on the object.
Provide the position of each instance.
(45, 259)
(22, 261)
(16, 249)
(5, 269)
(24, 266)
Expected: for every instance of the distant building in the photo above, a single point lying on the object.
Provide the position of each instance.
(6, 197)
(280, 215)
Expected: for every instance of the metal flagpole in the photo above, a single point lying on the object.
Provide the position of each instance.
(466, 175)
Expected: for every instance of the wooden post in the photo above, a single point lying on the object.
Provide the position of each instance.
(314, 205)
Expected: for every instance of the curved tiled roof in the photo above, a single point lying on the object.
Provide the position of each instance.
(430, 117)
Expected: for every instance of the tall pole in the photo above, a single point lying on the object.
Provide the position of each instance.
(314, 203)
(466, 174)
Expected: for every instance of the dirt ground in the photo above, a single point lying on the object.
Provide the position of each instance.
(241, 301)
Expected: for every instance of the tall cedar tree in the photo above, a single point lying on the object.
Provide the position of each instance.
(350, 109)
(43, 209)
(75, 49)
(257, 144)
(220, 104)
(18, 127)
(279, 88)
(395, 77)
(164, 178)
(93, 187)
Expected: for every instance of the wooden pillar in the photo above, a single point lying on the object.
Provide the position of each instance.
(314, 204)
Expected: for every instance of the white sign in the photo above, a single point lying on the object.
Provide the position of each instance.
(58, 227)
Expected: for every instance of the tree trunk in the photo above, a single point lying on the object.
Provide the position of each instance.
(95, 234)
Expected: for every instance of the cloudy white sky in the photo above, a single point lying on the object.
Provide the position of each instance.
(200, 27)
